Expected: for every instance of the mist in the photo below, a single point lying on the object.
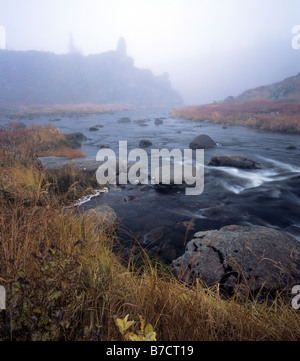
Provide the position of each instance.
(210, 48)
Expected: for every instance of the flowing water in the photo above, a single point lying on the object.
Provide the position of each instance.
(269, 196)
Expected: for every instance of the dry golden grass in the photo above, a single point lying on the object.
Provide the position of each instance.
(262, 114)
(26, 183)
(67, 152)
(181, 312)
(22, 145)
(64, 281)
(46, 269)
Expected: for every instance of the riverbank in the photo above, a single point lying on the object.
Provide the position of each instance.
(265, 114)
(57, 111)
(65, 280)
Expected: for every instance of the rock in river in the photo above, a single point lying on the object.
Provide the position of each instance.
(237, 161)
(95, 128)
(169, 184)
(144, 143)
(124, 120)
(202, 141)
(158, 121)
(248, 258)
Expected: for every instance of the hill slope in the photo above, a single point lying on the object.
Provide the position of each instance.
(32, 77)
(287, 90)
(273, 107)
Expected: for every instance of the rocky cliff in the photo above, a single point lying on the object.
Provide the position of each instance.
(33, 77)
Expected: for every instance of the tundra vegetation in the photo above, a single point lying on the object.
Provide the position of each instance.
(66, 279)
(264, 114)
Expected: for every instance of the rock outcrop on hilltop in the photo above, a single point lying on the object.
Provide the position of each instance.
(43, 78)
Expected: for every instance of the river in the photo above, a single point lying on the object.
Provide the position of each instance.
(269, 196)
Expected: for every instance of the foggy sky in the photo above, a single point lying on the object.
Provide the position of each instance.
(210, 48)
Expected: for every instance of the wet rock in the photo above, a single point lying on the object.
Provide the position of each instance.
(252, 258)
(171, 186)
(291, 147)
(129, 198)
(202, 141)
(103, 146)
(95, 128)
(145, 188)
(144, 143)
(124, 120)
(236, 161)
(158, 121)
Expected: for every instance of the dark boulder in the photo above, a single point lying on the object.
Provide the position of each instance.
(103, 146)
(129, 198)
(124, 120)
(236, 161)
(144, 143)
(202, 141)
(158, 121)
(95, 127)
(172, 186)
